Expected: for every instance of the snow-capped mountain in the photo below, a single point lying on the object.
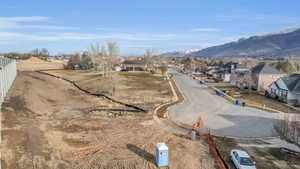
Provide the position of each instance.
(276, 45)
(181, 53)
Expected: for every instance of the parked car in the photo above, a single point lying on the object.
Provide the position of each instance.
(124, 70)
(241, 160)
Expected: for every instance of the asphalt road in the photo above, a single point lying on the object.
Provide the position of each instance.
(219, 115)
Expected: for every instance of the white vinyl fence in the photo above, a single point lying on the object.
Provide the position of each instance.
(8, 73)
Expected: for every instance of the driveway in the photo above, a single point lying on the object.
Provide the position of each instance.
(219, 115)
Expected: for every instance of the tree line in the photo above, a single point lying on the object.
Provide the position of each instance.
(101, 58)
(42, 53)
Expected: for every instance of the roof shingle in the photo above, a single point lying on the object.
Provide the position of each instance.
(292, 82)
(265, 69)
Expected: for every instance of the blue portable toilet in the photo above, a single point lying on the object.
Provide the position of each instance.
(238, 102)
(162, 155)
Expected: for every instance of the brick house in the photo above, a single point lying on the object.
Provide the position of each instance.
(261, 76)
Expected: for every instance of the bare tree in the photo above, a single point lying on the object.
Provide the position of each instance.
(96, 57)
(112, 54)
(44, 52)
(74, 62)
(35, 52)
(148, 58)
(289, 128)
(103, 59)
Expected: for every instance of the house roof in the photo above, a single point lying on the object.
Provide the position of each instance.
(134, 62)
(213, 65)
(228, 64)
(265, 69)
(292, 82)
(241, 66)
(234, 66)
(242, 73)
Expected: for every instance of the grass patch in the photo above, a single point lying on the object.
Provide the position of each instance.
(281, 155)
(255, 98)
(143, 81)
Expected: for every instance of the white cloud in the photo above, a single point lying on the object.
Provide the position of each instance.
(82, 36)
(50, 27)
(263, 18)
(14, 23)
(205, 30)
(138, 46)
(23, 19)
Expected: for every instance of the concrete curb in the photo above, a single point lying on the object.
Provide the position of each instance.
(183, 126)
(231, 99)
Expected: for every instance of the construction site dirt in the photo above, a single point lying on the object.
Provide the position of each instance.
(49, 124)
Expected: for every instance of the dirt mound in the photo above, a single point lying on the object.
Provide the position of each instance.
(35, 59)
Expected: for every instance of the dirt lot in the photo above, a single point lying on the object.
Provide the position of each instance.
(265, 157)
(258, 99)
(31, 66)
(48, 123)
(141, 89)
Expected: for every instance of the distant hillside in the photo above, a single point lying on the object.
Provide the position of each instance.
(277, 45)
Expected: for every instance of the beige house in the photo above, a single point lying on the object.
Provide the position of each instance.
(261, 77)
(134, 65)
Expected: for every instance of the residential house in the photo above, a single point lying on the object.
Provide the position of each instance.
(261, 76)
(222, 74)
(234, 67)
(238, 74)
(228, 70)
(134, 65)
(239, 79)
(213, 66)
(211, 71)
(231, 69)
(286, 89)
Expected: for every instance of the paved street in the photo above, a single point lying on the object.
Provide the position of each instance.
(218, 114)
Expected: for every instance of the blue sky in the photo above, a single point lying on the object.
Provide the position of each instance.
(71, 26)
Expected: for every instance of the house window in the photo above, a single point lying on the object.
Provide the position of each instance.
(284, 93)
(273, 91)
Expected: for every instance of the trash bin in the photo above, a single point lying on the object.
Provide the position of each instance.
(162, 153)
(218, 93)
(237, 102)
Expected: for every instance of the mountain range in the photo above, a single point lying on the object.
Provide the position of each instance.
(181, 53)
(276, 45)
